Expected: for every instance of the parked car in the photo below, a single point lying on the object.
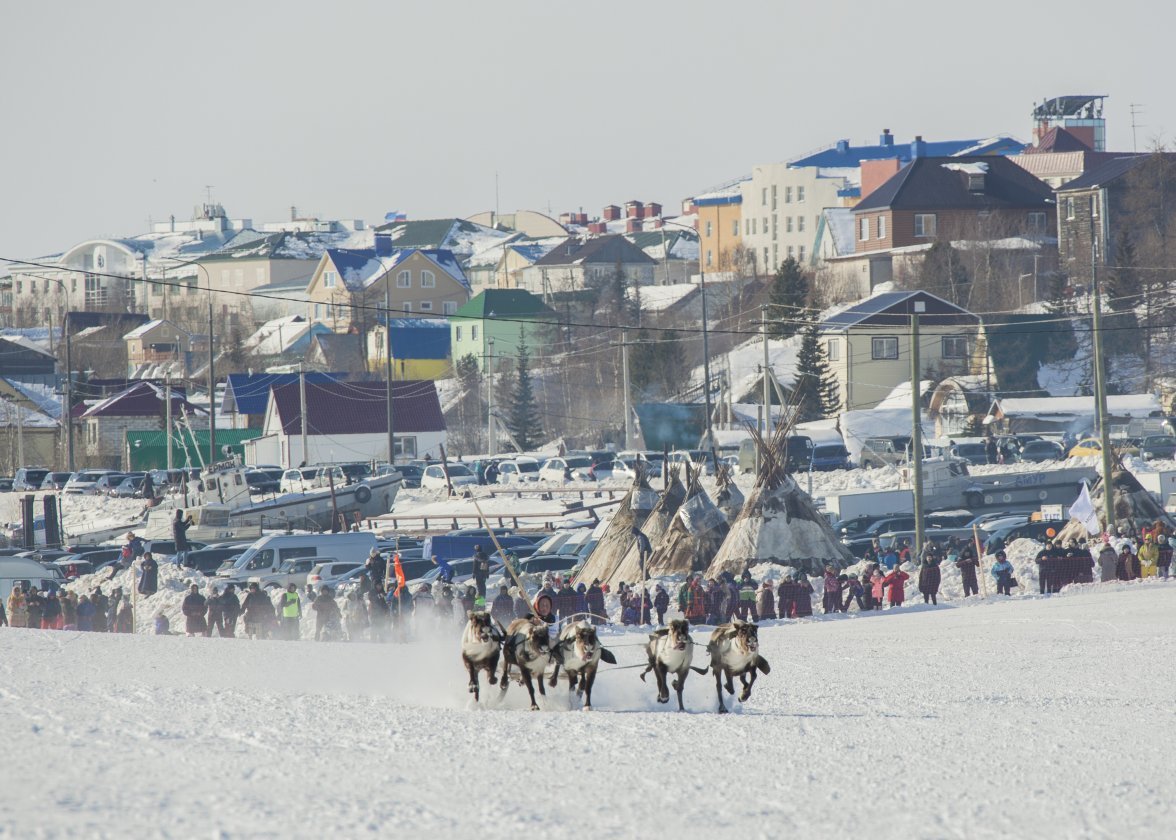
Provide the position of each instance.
(56, 480)
(459, 475)
(6, 484)
(298, 480)
(106, 483)
(518, 471)
(1158, 448)
(1038, 530)
(974, 452)
(566, 468)
(296, 571)
(1042, 451)
(880, 451)
(411, 475)
(333, 572)
(830, 456)
(83, 481)
(29, 478)
(208, 560)
(130, 487)
(261, 482)
(1086, 448)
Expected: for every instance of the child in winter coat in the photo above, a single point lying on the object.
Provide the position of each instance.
(895, 584)
(855, 592)
(1002, 570)
(877, 586)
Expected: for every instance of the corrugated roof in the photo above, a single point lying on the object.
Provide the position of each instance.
(142, 400)
(350, 408)
(941, 183)
(506, 303)
(894, 309)
(1105, 172)
(248, 393)
(610, 249)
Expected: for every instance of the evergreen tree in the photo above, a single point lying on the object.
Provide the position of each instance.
(815, 392)
(471, 418)
(523, 413)
(942, 273)
(1123, 288)
(788, 295)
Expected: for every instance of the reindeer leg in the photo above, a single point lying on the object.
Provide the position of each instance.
(531, 687)
(473, 669)
(719, 689)
(747, 684)
(586, 681)
(492, 668)
(730, 682)
(679, 684)
(554, 676)
(505, 674)
(663, 691)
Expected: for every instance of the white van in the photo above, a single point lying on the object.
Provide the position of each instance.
(267, 554)
(28, 573)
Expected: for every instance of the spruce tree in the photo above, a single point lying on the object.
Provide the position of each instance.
(815, 392)
(788, 295)
(523, 415)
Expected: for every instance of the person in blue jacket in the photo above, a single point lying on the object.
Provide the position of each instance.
(1002, 570)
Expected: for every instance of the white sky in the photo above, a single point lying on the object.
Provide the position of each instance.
(119, 111)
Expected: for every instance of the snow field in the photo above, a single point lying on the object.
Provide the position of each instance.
(1029, 717)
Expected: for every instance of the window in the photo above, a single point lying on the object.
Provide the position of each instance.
(1094, 206)
(1069, 208)
(767, 264)
(800, 253)
(708, 257)
(881, 227)
(955, 347)
(863, 229)
(773, 196)
(833, 350)
(457, 333)
(800, 224)
(428, 280)
(407, 306)
(19, 284)
(788, 224)
(884, 347)
(788, 195)
(735, 227)
(474, 332)
(925, 224)
(450, 307)
(800, 195)
(318, 311)
(1037, 223)
(708, 229)
(764, 198)
(329, 279)
(404, 280)
(753, 227)
(73, 284)
(426, 306)
(765, 227)
(791, 252)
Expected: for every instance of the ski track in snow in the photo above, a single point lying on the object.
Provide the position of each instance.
(1032, 717)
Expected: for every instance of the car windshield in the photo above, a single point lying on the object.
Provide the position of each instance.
(36, 476)
(578, 462)
(1160, 440)
(527, 466)
(830, 451)
(457, 470)
(59, 476)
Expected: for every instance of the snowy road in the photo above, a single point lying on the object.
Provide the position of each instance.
(1034, 718)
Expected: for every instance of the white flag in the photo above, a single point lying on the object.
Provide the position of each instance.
(1083, 511)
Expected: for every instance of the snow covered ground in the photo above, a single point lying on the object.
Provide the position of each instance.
(1035, 717)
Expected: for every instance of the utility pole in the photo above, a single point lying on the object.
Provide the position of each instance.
(916, 431)
(212, 459)
(388, 375)
(767, 419)
(66, 413)
(167, 397)
(710, 434)
(629, 435)
(302, 410)
(1100, 390)
(490, 447)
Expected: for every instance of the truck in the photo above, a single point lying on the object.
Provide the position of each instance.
(857, 503)
(1160, 484)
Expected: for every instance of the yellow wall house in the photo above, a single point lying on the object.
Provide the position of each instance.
(869, 344)
(420, 349)
(720, 213)
(350, 286)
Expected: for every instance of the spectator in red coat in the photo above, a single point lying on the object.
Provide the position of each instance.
(895, 583)
(832, 600)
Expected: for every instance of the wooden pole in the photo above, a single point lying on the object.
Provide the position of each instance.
(979, 561)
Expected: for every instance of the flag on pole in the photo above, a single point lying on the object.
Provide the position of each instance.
(1083, 511)
(400, 581)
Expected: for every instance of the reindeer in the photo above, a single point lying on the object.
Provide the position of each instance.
(527, 647)
(481, 645)
(670, 650)
(734, 652)
(580, 653)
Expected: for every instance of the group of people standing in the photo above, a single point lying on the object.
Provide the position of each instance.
(95, 612)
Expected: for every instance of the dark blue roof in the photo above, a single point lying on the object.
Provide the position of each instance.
(354, 259)
(420, 338)
(845, 155)
(248, 393)
(894, 309)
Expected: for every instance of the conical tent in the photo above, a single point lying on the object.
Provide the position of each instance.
(693, 536)
(629, 569)
(618, 537)
(1135, 507)
(779, 523)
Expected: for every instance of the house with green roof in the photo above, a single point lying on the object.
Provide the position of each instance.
(506, 317)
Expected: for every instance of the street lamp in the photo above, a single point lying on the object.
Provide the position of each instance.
(710, 435)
